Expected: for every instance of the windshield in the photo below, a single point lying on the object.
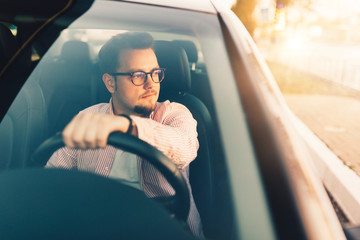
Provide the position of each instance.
(68, 80)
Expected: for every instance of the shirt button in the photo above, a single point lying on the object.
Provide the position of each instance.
(106, 168)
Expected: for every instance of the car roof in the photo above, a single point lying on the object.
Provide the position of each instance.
(198, 5)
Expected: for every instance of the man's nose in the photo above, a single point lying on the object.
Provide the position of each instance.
(149, 83)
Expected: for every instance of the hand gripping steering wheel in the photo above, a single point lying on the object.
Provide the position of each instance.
(179, 204)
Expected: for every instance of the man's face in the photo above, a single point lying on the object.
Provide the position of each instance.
(132, 99)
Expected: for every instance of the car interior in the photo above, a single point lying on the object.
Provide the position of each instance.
(59, 81)
(62, 85)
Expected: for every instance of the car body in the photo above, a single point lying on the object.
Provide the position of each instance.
(263, 186)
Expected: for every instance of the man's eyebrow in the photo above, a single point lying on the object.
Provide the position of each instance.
(140, 70)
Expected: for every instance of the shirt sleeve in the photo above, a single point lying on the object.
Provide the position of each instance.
(67, 157)
(172, 130)
(63, 158)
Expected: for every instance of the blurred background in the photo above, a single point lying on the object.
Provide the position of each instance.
(313, 50)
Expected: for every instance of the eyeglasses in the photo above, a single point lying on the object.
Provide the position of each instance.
(139, 78)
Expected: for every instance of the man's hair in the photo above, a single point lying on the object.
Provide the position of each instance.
(110, 52)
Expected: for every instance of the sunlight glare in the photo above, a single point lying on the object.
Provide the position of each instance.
(295, 43)
(315, 31)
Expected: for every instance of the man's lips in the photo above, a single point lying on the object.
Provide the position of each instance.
(148, 94)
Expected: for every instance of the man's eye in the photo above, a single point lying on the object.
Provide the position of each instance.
(138, 75)
(157, 72)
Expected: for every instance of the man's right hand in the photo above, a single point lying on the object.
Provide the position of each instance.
(91, 130)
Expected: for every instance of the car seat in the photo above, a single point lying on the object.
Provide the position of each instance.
(191, 52)
(24, 126)
(176, 88)
(199, 79)
(68, 83)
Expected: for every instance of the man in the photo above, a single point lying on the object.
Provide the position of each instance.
(132, 75)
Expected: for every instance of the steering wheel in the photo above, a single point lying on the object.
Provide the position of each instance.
(179, 204)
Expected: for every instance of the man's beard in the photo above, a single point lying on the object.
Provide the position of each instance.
(144, 111)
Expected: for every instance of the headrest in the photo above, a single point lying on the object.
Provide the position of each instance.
(190, 49)
(8, 45)
(75, 51)
(177, 73)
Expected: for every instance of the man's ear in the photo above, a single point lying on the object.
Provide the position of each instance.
(109, 82)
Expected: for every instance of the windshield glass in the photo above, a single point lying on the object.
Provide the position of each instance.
(67, 78)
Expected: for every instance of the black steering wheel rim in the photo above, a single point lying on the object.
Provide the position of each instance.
(179, 204)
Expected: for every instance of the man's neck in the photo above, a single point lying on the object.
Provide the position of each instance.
(116, 110)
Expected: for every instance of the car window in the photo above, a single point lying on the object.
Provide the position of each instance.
(312, 50)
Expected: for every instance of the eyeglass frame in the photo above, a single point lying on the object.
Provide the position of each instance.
(146, 74)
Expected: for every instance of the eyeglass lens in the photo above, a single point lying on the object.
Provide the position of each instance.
(157, 75)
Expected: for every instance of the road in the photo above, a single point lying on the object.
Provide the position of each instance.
(335, 120)
(330, 110)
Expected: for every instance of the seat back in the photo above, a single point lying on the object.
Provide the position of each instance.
(24, 126)
(199, 79)
(191, 52)
(68, 83)
(176, 87)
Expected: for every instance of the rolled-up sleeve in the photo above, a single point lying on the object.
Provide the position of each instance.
(172, 130)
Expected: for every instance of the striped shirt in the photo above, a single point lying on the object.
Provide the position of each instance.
(170, 128)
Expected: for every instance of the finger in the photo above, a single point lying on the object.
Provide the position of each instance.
(82, 123)
(90, 138)
(90, 134)
(108, 124)
(67, 133)
(104, 130)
